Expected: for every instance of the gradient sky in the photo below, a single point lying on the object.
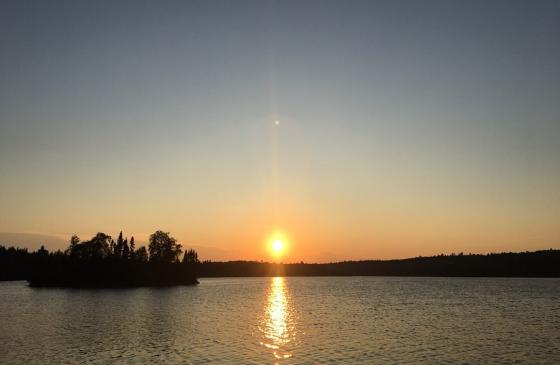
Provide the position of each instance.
(406, 127)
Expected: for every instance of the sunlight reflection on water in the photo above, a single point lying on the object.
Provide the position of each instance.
(291, 320)
(278, 323)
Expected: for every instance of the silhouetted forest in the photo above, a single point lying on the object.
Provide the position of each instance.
(525, 264)
(103, 262)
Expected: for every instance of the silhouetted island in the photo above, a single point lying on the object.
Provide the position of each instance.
(103, 263)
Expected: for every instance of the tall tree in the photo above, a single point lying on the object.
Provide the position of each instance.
(190, 261)
(163, 247)
(125, 250)
(132, 248)
(119, 246)
(190, 258)
(74, 240)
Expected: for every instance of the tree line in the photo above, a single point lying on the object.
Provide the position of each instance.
(103, 262)
(545, 263)
(162, 248)
(17, 264)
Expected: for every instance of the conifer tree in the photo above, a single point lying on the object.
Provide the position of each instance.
(190, 258)
(125, 250)
(190, 261)
(119, 246)
(132, 249)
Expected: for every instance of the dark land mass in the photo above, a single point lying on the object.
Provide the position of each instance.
(42, 268)
(102, 263)
(108, 273)
(524, 264)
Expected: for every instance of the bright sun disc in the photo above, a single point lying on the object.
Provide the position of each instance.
(277, 246)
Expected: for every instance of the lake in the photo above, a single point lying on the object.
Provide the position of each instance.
(296, 320)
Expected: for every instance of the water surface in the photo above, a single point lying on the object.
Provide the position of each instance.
(368, 320)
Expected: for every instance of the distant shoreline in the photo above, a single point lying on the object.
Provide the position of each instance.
(536, 264)
(544, 264)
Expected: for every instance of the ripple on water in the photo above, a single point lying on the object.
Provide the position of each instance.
(287, 321)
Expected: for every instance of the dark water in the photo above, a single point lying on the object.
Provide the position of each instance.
(368, 320)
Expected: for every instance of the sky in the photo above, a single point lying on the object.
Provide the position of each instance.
(354, 129)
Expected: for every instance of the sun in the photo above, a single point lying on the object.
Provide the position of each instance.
(277, 244)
